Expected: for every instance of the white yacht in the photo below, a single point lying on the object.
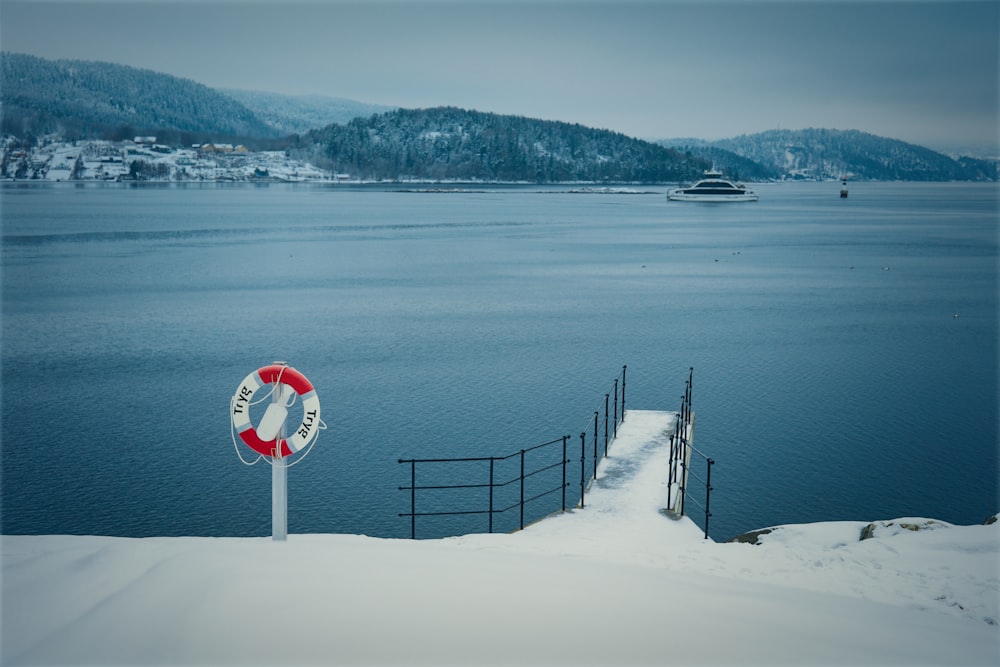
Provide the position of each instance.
(713, 188)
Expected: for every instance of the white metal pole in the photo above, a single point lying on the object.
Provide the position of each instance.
(279, 477)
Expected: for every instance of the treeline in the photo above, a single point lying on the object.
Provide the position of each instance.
(83, 99)
(447, 143)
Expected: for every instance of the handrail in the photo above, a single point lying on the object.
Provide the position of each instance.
(611, 423)
(491, 484)
(680, 455)
(707, 482)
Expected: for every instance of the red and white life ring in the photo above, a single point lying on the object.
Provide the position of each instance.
(240, 409)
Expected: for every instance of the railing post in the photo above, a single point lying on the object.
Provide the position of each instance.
(522, 489)
(670, 462)
(595, 444)
(413, 500)
(708, 495)
(623, 392)
(564, 462)
(491, 494)
(605, 424)
(688, 388)
(678, 441)
(583, 466)
(681, 483)
(616, 408)
(690, 385)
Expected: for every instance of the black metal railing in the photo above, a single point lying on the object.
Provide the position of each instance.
(517, 480)
(679, 466)
(490, 483)
(590, 437)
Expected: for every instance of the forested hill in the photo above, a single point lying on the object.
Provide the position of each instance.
(85, 99)
(448, 143)
(831, 154)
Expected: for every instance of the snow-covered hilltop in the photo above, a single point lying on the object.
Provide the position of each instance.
(619, 582)
(143, 159)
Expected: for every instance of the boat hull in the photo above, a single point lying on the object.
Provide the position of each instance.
(712, 198)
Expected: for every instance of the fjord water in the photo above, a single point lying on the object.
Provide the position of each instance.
(844, 350)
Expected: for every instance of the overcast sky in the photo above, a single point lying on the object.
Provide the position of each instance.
(920, 71)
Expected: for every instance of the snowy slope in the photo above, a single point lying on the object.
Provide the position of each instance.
(615, 583)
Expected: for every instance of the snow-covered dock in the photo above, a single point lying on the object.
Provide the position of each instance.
(619, 582)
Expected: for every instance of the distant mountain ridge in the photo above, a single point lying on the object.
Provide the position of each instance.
(820, 154)
(297, 114)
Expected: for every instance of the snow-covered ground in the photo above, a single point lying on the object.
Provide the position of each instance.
(617, 583)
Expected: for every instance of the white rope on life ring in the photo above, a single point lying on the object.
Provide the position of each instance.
(240, 412)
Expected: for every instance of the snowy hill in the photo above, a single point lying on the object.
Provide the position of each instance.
(824, 154)
(298, 114)
(616, 583)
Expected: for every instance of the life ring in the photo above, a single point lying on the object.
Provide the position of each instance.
(240, 409)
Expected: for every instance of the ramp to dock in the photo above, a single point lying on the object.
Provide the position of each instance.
(627, 503)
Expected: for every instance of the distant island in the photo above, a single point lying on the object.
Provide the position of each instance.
(83, 120)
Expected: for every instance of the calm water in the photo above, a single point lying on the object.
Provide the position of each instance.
(845, 351)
